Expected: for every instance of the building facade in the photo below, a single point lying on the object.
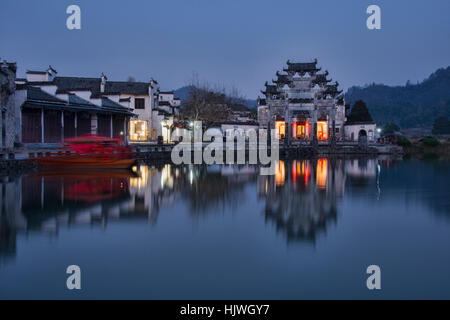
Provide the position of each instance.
(53, 108)
(303, 106)
(360, 126)
(165, 115)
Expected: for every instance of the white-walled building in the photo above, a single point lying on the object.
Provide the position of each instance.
(360, 126)
(164, 115)
(147, 112)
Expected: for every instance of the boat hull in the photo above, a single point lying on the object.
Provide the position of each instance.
(85, 162)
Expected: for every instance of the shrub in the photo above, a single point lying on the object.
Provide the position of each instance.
(430, 142)
(404, 142)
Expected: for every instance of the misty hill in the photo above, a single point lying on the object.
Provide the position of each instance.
(412, 105)
(183, 94)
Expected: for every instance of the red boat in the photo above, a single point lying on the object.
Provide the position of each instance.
(90, 151)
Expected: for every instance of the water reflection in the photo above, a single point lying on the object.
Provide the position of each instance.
(301, 200)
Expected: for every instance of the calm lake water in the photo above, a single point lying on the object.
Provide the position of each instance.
(212, 232)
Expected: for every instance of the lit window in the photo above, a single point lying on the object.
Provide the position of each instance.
(322, 130)
(138, 130)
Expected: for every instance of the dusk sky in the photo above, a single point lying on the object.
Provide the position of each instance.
(233, 43)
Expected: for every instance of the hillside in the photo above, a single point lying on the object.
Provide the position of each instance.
(408, 106)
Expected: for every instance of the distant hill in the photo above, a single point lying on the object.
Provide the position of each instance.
(412, 105)
(183, 93)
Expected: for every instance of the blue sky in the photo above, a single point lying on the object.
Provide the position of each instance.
(231, 43)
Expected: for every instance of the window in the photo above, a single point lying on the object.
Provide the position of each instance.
(138, 130)
(139, 103)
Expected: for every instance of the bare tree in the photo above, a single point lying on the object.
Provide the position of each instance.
(205, 104)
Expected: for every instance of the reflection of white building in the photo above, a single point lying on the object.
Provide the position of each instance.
(361, 168)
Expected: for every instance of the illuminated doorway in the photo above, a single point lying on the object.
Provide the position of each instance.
(138, 130)
(301, 130)
(322, 130)
(280, 127)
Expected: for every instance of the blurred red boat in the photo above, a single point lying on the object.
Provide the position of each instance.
(90, 151)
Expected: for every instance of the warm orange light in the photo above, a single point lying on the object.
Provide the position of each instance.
(322, 130)
(280, 173)
(294, 171)
(301, 131)
(138, 130)
(321, 176)
(280, 127)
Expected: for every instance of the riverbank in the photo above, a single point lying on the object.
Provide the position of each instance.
(18, 161)
(421, 151)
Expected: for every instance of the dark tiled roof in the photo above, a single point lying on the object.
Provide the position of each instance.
(111, 104)
(137, 88)
(37, 94)
(98, 94)
(36, 72)
(74, 99)
(321, 78)
(37, 97)
(270, 89)
(332, 89)
(301, 66)
(66, 84)
(282, 79)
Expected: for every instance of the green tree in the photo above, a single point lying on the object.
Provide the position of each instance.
(390, 128)
(441, 126)
(430, 142)
(359, 113)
